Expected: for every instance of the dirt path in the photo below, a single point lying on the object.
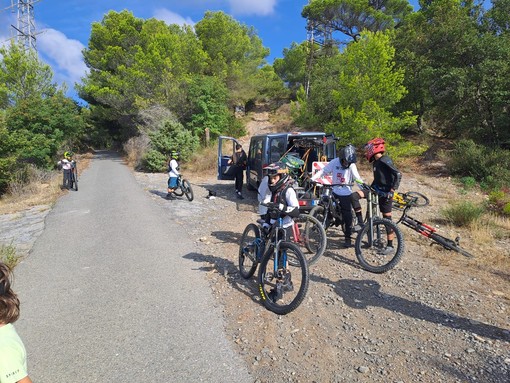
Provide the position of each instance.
(437, 317)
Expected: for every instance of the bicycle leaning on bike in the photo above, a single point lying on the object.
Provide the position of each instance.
(283, 275)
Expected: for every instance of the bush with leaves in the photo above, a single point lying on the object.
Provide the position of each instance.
(172, 136)
(489, 166)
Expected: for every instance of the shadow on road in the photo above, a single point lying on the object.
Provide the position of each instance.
(360, 294)
(229, 271)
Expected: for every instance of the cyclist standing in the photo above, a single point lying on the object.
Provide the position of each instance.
(344, 172)
(238, 161)
(281, 193)
(386, 181)
(173, 174)
(66, 164)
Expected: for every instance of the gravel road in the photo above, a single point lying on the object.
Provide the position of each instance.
(111, 292)
(437, 317)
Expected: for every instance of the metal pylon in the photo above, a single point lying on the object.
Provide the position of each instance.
(24, 31)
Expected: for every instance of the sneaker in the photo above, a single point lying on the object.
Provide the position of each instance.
(170, 196)
(387, 250)
(240, 196)
(348, 243)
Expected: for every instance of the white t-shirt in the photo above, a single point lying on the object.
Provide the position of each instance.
(292, 202)
(263, 193)
(13, 356)
(340, 176)
(172, 171)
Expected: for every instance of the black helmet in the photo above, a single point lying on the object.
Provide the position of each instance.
(274, 169)
(347, 155)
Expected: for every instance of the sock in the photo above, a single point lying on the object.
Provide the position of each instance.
(359, 217)
(390, 243)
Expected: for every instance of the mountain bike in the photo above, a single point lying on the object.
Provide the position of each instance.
(73, 177)
(183, 187)
(310, 235)
(408, 200)
(327, 211)
(283, 276)
(371, 242)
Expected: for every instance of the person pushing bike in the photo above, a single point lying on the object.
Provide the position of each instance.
(173, 174)
(386, 181)
(344, 172)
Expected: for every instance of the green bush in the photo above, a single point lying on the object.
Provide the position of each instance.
(463, 213)
(154, 161)
(488, 166)
(468, 182)
(506, 209)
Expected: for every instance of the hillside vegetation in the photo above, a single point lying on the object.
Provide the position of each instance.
(374, 69)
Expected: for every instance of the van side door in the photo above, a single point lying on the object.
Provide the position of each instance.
(226, 149)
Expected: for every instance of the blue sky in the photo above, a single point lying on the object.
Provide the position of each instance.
(65, 26)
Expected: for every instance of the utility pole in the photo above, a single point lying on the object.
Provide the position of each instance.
(23, 32)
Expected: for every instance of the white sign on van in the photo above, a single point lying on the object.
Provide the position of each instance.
(326, 179)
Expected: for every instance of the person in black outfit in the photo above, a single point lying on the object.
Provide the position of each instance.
(238, 161)
(386, 181)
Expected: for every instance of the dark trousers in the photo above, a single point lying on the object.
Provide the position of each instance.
(239, 179)
(346, 211)
(67, 178)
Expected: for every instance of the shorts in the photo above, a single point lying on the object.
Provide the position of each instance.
(385, 204)
(172, 182)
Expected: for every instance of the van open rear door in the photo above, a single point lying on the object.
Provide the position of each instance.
(226, 149)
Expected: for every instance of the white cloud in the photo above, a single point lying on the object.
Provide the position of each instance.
(63, 54)
(170, 17)
(252, 7)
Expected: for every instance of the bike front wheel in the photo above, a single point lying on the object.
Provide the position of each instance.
(372, 250)
(186, 188)
(311, 237)
(283, 278)
(449, 244)
(248, 250)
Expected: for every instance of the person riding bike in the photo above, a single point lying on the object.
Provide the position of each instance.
(386, 181)
(173, 174)
(344, 172)
(281, 193)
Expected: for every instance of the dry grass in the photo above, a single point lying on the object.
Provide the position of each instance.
(204, 161)
(43, 188)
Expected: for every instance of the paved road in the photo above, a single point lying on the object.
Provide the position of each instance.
(108, 293)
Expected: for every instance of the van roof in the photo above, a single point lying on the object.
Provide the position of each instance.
(297, 134)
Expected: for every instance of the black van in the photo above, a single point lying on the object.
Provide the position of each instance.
(265, 149)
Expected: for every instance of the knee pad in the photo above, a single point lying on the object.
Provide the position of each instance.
(355, 197)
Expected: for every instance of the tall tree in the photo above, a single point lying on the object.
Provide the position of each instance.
(351, 17)
(235, 53)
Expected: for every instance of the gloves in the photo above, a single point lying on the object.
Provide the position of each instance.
(388, 195)
(281, 207)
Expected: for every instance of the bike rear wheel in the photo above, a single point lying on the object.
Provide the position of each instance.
(248, 250)
(74, 182)
(420, 200)
(312, 237)
(179, 191)
(320, 213)
(371, 246)
(449, 244)
(186, 187)
(283, 279)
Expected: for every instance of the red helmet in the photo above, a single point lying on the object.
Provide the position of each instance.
(373, 147)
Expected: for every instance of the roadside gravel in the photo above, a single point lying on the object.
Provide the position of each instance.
(437, 317)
